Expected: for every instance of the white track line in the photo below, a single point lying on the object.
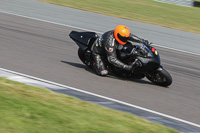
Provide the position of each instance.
(89, 30)
(114, 100)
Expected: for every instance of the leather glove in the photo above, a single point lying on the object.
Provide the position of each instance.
(138, 63)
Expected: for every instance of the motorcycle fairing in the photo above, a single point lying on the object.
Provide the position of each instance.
(83, 39)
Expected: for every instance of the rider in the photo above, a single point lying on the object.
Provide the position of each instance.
(108, 44)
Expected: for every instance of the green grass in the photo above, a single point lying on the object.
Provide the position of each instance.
(27, 109)
(147, 11)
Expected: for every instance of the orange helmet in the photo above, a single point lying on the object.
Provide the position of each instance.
(121, 34)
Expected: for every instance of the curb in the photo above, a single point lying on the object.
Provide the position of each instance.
(156, 117)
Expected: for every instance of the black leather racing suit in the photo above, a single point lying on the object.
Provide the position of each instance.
(104, 49)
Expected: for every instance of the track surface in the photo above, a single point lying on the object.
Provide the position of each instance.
(44, 50)
(96, 22)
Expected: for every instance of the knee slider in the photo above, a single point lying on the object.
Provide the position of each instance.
(104, 72)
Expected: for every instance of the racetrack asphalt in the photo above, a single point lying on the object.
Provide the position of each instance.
(45, 50)
(97, 22)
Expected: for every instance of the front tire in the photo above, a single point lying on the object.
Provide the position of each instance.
(160, 77)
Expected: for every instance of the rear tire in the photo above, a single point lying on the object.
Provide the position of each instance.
(162, 78)
(81, 55)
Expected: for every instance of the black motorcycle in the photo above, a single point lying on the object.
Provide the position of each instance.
(146, 54)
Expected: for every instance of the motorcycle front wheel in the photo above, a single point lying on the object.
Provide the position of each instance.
(162, 78)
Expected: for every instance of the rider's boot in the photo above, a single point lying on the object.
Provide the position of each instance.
(99, 66)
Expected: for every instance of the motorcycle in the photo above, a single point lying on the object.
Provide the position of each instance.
(149, 57)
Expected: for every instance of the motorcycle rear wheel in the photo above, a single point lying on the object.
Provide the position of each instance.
(81, 55)
(162, 78)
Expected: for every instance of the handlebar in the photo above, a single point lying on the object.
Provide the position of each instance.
(140, 40)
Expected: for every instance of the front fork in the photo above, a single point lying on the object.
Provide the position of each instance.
(152, 74)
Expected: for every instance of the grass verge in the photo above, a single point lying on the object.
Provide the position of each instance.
(147, 11)
(34, 110)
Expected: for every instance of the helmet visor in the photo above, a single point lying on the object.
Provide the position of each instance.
(123, 39)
